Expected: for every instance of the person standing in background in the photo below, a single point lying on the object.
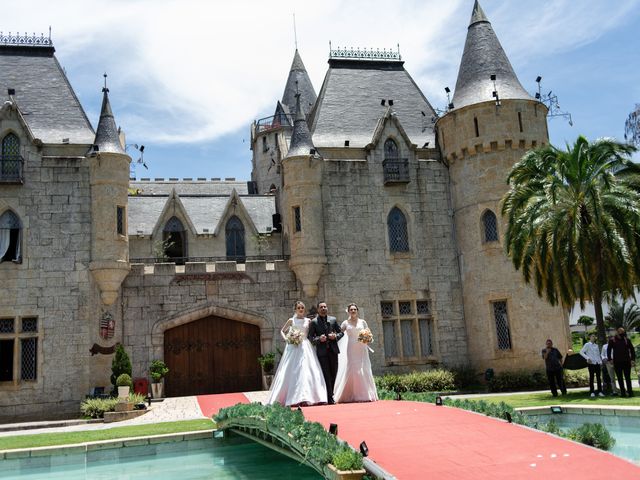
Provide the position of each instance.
(555, 373)
(591, 353)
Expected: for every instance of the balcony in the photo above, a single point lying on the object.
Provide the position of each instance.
(273, 122)
(396, 170)
(11, 169)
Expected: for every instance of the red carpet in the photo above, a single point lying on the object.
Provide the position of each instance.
(210, 404)
(413, 440)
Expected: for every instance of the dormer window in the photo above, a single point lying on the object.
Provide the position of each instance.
(396, 169)
(175, 240)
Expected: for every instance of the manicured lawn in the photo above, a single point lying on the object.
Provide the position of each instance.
(66, 438)
(545, 399)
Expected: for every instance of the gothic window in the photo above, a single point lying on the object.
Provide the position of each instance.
(391, 150)
(503, 333)
(234, 232)
(397, 228)
(490, 226)
(174, 238)
(10, 159)
(10, 237)
(407, 326)
(18, 349)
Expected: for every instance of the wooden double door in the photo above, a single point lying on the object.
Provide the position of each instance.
(212, 355)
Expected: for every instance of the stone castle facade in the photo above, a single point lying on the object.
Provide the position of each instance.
(362, 192)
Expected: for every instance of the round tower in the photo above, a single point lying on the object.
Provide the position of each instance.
(302, 202)
(109, 179)
(492, 123)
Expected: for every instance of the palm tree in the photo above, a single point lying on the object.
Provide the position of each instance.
(621, 316)
(573, 222)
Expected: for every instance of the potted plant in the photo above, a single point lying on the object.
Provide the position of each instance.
(158, 370)
(268, 363)
(120, 364)
(124, 384)
(346, 464)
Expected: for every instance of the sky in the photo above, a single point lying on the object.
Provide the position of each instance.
(188, 77)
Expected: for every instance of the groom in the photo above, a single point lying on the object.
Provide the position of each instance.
(324, 333)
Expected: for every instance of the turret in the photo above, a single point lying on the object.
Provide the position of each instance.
(109, 178)
(492, 123)
(302, 201)
(270, 136)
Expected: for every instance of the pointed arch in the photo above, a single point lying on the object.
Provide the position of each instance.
(234, 236)
(174, 237)
(10, 237)
(489, 226)
(10, 160)
(397, 231)
(391, 151)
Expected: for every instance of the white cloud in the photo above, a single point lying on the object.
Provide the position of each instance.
(192, 71)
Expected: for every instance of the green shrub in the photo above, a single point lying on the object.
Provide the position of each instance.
(465, 377)
(124, 380)
(518, 380)
(158, 370)
(95, 407)
(347, 459)
(136, 398)
(120, 364)
(437, 380)
(576, 378)
(594, 434)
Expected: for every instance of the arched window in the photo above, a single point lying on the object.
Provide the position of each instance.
(397, 228)
(10, 159)
(234, 232)
(175, 240)
(490, 225)
(10, 237)
(391, 150)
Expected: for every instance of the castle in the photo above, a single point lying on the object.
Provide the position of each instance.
(362, 192)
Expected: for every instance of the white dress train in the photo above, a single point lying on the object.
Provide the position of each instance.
(298, 379)
(354, 382)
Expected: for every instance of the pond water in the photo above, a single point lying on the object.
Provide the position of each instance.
(625, 429)
(228, 458)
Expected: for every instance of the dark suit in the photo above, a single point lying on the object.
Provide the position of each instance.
(327, 351)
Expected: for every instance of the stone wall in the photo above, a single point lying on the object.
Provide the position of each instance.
(156, 298)
(361, 268)
(52, 283)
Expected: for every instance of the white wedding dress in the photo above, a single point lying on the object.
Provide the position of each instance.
(299, 379)
(354, 382)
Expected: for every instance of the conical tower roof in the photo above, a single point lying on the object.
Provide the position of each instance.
(107, 138)
(484, 56)
(301, 143)
(298, 82)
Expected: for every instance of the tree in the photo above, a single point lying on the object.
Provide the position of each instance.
(585, 321)
(573, 222)
(621, 316)
(120, 364)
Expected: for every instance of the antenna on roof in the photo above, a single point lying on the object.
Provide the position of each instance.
(295, 34)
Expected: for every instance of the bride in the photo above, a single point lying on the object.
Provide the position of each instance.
(298, 380)
(354, 382)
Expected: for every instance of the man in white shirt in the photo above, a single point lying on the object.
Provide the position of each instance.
(610, 370)
(591, 353)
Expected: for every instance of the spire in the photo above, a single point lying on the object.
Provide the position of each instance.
(483, 56)
(298, 82)
(107, 137)
(301, 143)
(478, 14)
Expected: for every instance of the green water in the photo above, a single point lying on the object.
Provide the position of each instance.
(231, 458)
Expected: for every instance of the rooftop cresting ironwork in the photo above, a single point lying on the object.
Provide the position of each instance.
(26, 39)
(365, 54)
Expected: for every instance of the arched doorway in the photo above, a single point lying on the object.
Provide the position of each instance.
(212, 355)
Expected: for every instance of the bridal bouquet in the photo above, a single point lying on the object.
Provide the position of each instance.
(295, 336)
(365, 336)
